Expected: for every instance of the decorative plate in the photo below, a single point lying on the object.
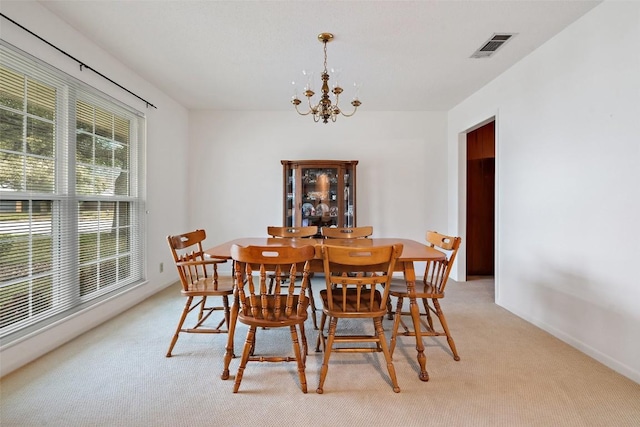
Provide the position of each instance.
(307, 209)
(322, 209)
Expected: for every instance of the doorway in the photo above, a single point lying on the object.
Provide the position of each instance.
(480, 254)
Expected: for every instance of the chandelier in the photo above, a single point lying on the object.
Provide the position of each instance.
(324, 110)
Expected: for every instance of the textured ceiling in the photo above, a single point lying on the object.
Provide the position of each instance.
(244, 55)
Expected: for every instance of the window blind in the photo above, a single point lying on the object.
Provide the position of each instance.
(71, 205)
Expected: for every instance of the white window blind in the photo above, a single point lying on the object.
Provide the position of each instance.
(71, 205)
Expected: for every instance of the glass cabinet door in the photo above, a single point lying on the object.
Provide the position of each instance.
(320, 193)
(349, 204)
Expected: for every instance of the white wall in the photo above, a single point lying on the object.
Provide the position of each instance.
(568, 168)
(235, 175)
(167, 133)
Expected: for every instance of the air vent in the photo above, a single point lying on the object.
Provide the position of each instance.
(492, 45)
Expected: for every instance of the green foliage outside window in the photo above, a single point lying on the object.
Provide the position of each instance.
(34, 250)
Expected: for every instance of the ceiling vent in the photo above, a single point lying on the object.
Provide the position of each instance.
(492, 45)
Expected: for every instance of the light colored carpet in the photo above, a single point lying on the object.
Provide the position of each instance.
(510, 374)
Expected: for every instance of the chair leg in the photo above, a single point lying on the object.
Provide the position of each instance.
(252, 350)
(229, 348)
(321, 339)
(313, 307)
(445, 327)
(382, 341)
(299, 358)
(396, 325)
(248, 344)
(425, 303)
(327, 353)
(389, 309)
(305, 345)
(185, 311)
(203, 303)
(227, 311)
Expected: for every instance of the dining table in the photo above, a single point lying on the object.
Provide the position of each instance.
(412, 251)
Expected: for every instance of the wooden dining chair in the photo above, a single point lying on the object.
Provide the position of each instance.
(290, 232)
(200, 281)
(281, 306)
(346, 232)
(303, 233)
(430, 290)
(362, 294)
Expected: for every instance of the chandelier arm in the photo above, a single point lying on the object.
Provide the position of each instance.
(303, 114)
(310, 106)
(351, 114)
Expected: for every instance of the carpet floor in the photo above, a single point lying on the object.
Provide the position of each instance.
(511, 373)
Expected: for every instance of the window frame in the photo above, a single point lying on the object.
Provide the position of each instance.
(65, 213)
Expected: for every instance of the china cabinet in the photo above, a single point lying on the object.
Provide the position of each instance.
(319, 192)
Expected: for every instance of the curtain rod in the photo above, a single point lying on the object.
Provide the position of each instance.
(82, 64)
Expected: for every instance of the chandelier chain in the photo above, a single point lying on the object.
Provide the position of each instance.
(325, 56)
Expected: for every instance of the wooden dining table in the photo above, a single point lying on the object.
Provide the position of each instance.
(412, 251)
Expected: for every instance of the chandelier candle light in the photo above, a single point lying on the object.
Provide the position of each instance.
(324, 109)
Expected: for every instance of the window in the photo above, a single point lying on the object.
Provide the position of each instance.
(71, 205)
